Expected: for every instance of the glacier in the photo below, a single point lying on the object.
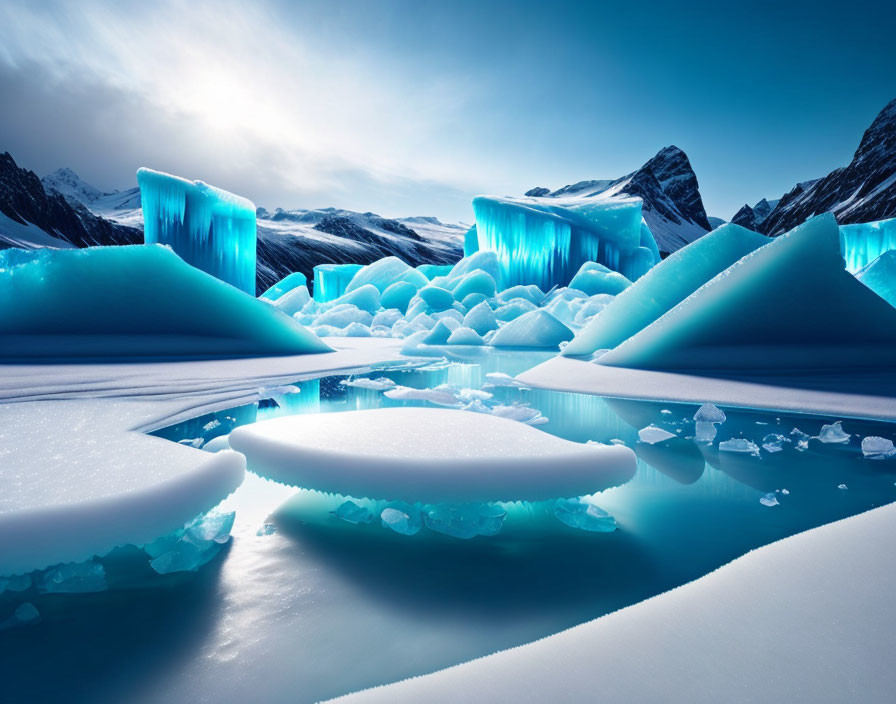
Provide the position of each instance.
(861, 244)
(545, 242)
(209, 228)
(788, 304)
(137, 301)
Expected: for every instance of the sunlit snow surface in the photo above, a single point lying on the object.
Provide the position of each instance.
(297, 606)
(209, 228)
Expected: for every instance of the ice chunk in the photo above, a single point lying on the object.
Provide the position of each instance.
(366, 297)
(545, 241)
(379, 384)
(428, 455)
(208, 228)
(584, 515)
(833, 433)
(531, 293)
(653, 434)
(534, 329)
(331, 280)
(431, 271)
(769, 499)
(665, 286)
(773, 442)
(842, 487)
(465, 336)
(800, 439)
(710, 413)
(519, 412)
(350, 512)
(436, 298)
(356, 330)
(195, 545)
(863, 243)
(502, 379)
(285, 285)
(73, 578)
(741, 445)
(343, 315)
(705, 432)
(398, 295)
(132, 301)
(477, 281)
(385, 272)
(880, 275)
(593, 278)
(485, 260)
(401, 518)
(514, 309)
(465, 521)
(789, 325)
(387, 318)
(878, 448)
(293, 301)
(471, 242)
(474, 299)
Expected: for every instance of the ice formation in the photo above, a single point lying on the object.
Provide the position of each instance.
(428, 455)
(545, 242)
(133, 301)
(880, 276)
(593, 278)
(833, 433)
(73, 578)
(863, 243)
(465, 521)
(471, 242)
(431, 271)
(402, 519)
(653, 434)
(878, 448)
(710, 413)
(740, 445)
(331, 280)
(293, 300)
(286, 284)
(665, 286)
(772, 309)
(208, 228)
(584, 515)
(385, 272)
(536, 328)
(192, 546)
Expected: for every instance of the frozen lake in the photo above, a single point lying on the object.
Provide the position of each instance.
(302, 606)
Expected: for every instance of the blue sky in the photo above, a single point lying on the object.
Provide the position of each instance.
(409, 108)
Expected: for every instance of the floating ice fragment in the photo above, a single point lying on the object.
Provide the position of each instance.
(73, 578)
(469, 395)
(402, 519)
(741, 445)
(350, 512)
(652, 434)
(833, 433)
(842, 487)
(191, 442)
(773, 442)
(24, 613)
(877, 448)
(769, 500)
(380, 384)
(440, 395)
(785, 492)
(800, 439)
(710, 413)
(196, 544)
(582, 514)
(705, 432)
(465, 521)
(616, 441)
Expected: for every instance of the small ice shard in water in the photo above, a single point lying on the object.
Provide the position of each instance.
(705, 432)
(833, 434)
(350, 512)
(842, 487)
(402, 519)
(769, 499)
(785, 492)
(710, 413)
(800, 439)
(194, 545)
(380, 384)
(465, 521)
(741, 445)
(773, 442)
(266, 529)
(584, 515)
(652, 435)
(191, 442)
(877, 448)
(73, 578)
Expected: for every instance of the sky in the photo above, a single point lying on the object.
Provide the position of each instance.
(412, 108)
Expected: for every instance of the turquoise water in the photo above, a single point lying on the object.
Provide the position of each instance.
(302, 606)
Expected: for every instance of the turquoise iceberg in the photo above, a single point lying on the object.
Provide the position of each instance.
(880, 276)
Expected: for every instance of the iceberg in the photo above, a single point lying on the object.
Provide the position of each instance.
(285, 285)
(880, 276)
(863, 243)
(545, 242)
(481, 318)
(428, 455)
(664, 287)
(653, 434)
(331, 280)
(536, 328)
(208, 228)
(593, 278)
(398, 296)
(790, 304)
(133, 301)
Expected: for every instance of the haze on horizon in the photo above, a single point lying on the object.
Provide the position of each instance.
(411, 108)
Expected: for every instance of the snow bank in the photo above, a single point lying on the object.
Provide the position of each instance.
(428, 455)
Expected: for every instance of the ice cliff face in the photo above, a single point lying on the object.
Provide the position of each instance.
(862, 191)
(667, 185)
(64, 211)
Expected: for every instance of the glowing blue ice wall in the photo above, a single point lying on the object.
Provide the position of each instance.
(862, 244)
(542, 242)
(471, 242)
(330, 280)
(208, 228)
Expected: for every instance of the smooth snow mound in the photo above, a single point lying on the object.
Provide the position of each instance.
(428, 455)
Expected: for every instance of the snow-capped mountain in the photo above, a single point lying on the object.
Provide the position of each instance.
(752, 218)
(862, 191)
(668, 188)
(64, 211)
(31, 216)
